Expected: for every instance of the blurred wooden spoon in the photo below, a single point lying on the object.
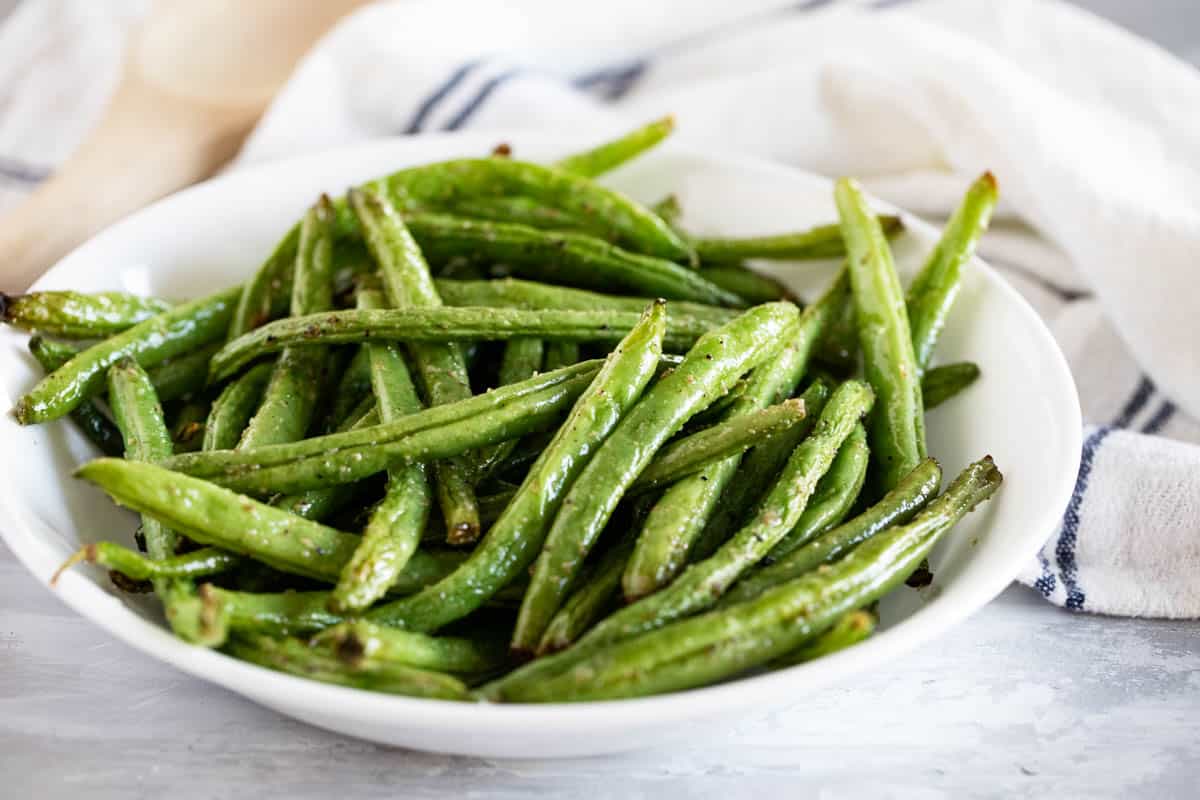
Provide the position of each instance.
(196, 77)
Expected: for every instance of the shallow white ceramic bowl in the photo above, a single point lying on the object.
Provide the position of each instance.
(1024, 411)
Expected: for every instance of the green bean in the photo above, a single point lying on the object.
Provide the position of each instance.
(710, 368)
(761, 465)
(561, 354)
(523, 211)
(78, 315)
(441, 367)
(834, 496)
(729, 640)
(139, 417)
(563, 257)
(896, 508)
(268, 293)
(394, 527)
(934, 288)
(436, 327)
(182, 375)
(353, 386)
(598, 594)
(939, 384)
(612, 154)
(234, 407)
(290, 398)
(87, 416)
(187, 425)
(522, 359)
(288, 613)
(621, 219)
(515, 293)
(668, 209)
(214, 516)
(823, 241)
(295, 657)
(172, 333)
(513, 542)
(132, 564)
(370, 432)
(360, 641)
(897, 426)
(730, 438)
(752, 287)
(838, 349)
(848, 631)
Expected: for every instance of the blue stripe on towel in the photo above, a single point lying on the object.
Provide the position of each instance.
(19, 172)
(1141, 396)
(1047, 582)
(430, 103)
(1064, 552)
(478, 100)
(1160, 418)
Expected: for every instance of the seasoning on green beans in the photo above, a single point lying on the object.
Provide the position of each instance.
(76, 315)
(710, 368)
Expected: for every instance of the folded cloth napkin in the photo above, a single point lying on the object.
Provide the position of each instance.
(1092, 132)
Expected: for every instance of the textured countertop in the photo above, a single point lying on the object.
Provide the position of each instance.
(1024, 700)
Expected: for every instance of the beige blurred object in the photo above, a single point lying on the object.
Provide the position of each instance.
(195, 78)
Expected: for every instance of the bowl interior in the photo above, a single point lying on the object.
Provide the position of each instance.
(1023, 411)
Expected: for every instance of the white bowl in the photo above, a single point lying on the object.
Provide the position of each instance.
(1024, 411)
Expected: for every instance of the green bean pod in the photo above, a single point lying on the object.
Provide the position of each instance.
(394, 528)
(932, 291)
(87, 416)
(441, 367)
(135, 566)
(514, 540)
(896, 508)
(848, 631)
(561, 354)
(522, 359)
(151, 342)
(218, 517)
(823, 241)
(139, 417)
(522, 211)
(939, 384)
(834, 496)
(897, 426)
(563, 257)
(727, 641)
(234, 407)
(709, 369)
(267, 294)
(360, 641)
(612, 154)
(295, 657)
(76, 315)
(752, 287)
(669, 210)
(277, 614)
(353, 385)
(730, 438)
(598, 594)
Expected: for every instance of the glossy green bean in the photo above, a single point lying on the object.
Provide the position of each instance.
(268, 293)
(522, 359)
(295, 657)
(184, 374)
(218, 517)
(441, 367)
(932, 291)
(733, 437)
(234, 407)
(561, 354)
(939, 384)
(730, 640)
(752, 287)
(522, 211)
(275, 614)
(151, 342)
(394, 528)
(612, 154)
(87, 416)
(896, 508)
(848, 631)
(353, 385)
(563, 257)
(709, 369)
(823, 241)
(668, 209)
(513, 542)
(598, 594)
(516, 293)
(139, 418)
(360, 641)
(897, 425)
(835, 494)
(76, 314)
(440, 327)
(132, 564)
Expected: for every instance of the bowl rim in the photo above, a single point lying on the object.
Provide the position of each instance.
(285, 691)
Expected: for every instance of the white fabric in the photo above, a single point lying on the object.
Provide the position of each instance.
(1093, 133)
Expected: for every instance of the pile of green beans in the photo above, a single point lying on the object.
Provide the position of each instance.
(397, 468)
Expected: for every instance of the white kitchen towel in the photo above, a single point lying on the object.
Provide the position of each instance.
(1093, 133)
